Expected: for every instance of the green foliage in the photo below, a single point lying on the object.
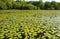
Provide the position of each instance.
(30, 7)
(16, 24)
(23, 5)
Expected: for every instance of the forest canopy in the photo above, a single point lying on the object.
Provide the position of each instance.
(31, 5)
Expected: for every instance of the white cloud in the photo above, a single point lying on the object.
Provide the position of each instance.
(57, 0)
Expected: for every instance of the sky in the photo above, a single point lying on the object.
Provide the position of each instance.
(45, 0)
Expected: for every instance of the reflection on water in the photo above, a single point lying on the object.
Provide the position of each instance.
(52, 19)
(52, 22)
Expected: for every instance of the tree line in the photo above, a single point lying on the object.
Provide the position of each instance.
(23, 5)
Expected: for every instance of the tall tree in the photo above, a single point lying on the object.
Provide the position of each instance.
(47, 5)
(54, 4)
(41, 4)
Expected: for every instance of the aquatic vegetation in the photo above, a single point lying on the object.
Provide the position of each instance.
(31, 24)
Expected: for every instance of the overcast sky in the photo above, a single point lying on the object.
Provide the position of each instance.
(45, 0)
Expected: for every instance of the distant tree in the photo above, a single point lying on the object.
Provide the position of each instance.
(20, 0)
(2, 4)
(41, 4)
(35, 3)
(9, 4)
(6, 4)
(58, 6)
(47, 5)
(29, 7)
(17, 5)
(54, 4)
(22, 4)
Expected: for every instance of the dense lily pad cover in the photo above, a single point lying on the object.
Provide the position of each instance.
(29, 24)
